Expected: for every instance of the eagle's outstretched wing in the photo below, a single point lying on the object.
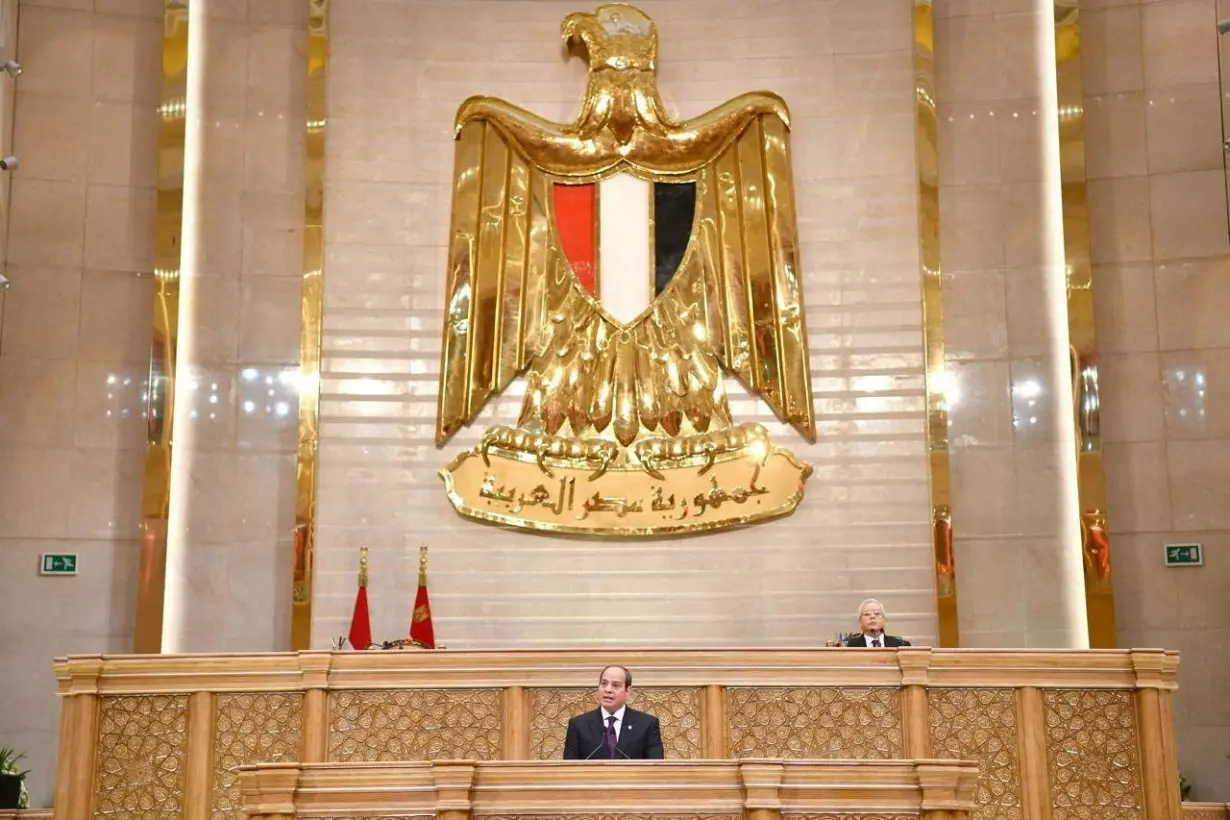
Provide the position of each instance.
(748, 242)
(502, 282)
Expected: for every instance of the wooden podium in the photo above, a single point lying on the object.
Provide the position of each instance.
(1053, 735)
(687, 790)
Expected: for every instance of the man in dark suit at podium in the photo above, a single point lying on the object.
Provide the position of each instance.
(871, 621)
(613, 731)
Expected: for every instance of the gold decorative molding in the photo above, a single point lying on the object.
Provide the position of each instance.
(142, 741)
(1093, 755)
(414, 724)
(251, 728)
(982, 725)
(815, 722)
(926, 146)
(310, 327)
(164, 329)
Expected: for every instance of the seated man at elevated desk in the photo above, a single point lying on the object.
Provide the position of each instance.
(613, 731)
(871, 622)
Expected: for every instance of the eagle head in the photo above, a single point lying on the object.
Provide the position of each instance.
(616, 36)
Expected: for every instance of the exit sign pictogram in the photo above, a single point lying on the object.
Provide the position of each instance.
(58, 563)
(1184, 555)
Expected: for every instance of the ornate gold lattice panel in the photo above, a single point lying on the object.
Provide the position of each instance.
(815, 722)
(981, 724)
(845, 816)
(414, 724)
(1203, 814)
(251, 728)
(609, 817)
(678, 710)
(140, 770)
(1092, 755)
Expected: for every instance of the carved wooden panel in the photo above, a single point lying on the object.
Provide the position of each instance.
(1092, 755)
(251, 728)
(1203, 814)
(824, 723)
(981, 724)
(609, 817)
(414, 724)
(141, 745)
(678, 711)
(848, 816)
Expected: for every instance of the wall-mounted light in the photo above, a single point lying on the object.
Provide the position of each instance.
(1223, 26)
(9, 163)
(12, 68)
(4, 283)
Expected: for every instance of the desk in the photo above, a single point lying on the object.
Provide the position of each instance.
(613, 790)
(1059, 735)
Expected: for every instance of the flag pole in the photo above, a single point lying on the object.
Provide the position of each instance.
(360, 635)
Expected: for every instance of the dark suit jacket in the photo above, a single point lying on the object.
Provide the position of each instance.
(640, 737)
(889, 641)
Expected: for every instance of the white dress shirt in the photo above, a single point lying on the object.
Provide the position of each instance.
(869, 639)
(619, 720)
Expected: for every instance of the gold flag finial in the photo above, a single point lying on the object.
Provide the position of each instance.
(363, 566)
(422, 565)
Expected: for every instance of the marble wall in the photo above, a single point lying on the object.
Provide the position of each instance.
(75, 346)
(1157, 200)
(398, 72)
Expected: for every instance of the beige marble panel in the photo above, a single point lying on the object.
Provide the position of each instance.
(1115, 124)
(40, 312)
(1180, 43)
(1131, 397)
(1111, 49)
(1125, 309)
(1188, 214)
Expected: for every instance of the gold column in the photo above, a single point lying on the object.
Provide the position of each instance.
(313, 298)
(160, 389)
(928, 160)
(1090, 477)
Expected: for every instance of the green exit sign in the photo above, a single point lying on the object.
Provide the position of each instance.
(1184, 555)
(58, 563)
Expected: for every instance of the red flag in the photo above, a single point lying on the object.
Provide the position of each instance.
(361, 621)
(421, 631)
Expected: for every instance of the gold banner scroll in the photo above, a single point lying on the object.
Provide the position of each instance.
(631, 416)
(689, 494)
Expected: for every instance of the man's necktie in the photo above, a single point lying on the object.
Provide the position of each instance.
(875, 642)
(610, 737)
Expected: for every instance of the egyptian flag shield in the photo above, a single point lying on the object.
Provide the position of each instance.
(625, 238)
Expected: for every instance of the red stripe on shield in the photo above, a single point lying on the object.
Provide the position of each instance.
(575, 221)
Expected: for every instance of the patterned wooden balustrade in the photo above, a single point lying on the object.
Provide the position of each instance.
(623, 790)
(1058, 735)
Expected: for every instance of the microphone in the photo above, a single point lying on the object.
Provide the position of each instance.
(601, 743)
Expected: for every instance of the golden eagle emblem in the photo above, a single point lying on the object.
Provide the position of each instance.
(625, 427)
